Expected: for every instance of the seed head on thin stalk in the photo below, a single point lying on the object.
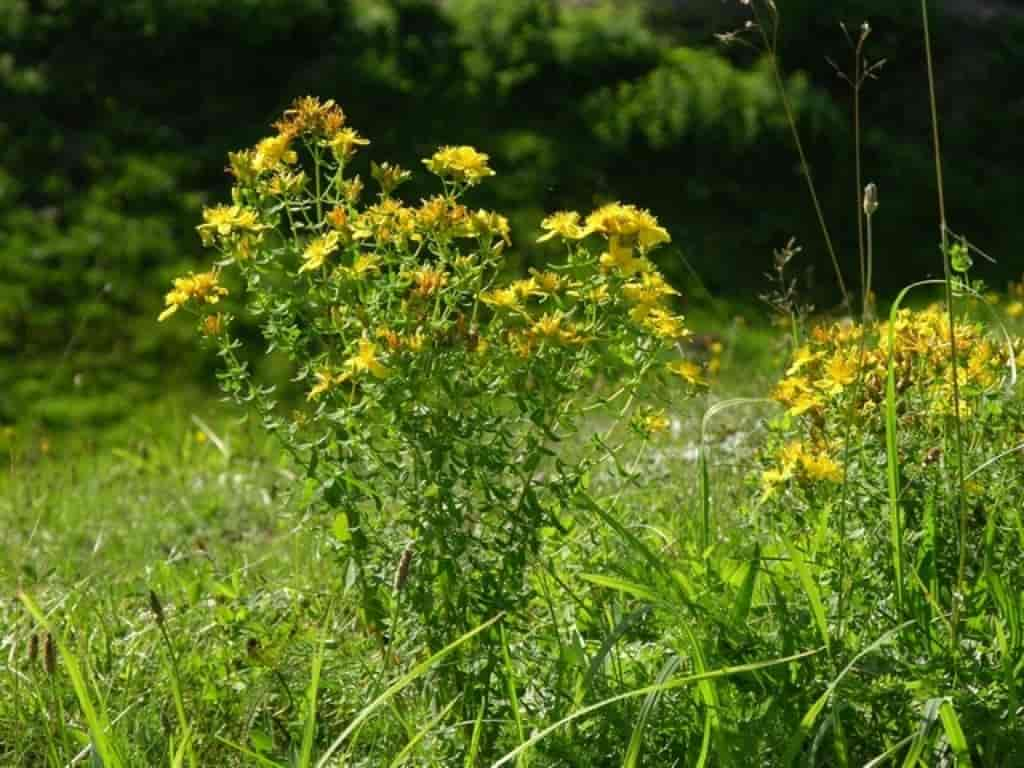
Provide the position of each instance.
(768, 35)
(402, 571)
(49, 655)
(33, 649)
(869, 205)
(862, 71)
(156, 607)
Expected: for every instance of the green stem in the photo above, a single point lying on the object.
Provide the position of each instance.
(947, 272)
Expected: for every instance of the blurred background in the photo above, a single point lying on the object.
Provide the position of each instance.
(116, 117)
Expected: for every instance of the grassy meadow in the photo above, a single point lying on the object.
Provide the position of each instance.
(190, 501)
(454, 504)
(198, 610)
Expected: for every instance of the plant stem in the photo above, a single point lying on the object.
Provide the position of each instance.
(865, 288)
(947, 271)
(770, 47)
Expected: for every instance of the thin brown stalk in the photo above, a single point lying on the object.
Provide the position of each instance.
(771, 44)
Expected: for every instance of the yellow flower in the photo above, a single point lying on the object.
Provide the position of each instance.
(771, 479)
(623, 260)
(213, 325)
(840, 372)
(225, 220)
(688, 371)
(790, 455)
(351, 189)
(391, 338)
(463, 164)
(491, 224)
(524, 288)
(599, 295)
(309, 115)
(503, 298)
(549, 328)
(286, 183)
(649, 291)
(325, 380)
(821, 467)
(428, 281)
(364, 264)
(546, 282)
(343, 144)
(416, 341)
(272, 152)
(565, 224)
(318, 250)
(655, 422)
(389, 176)
(805, 403)
(338, 220)
(1015, 309)
(630, 222)
(979, 365)
(802, 357)
(665, 325)
(204, 287)
(522, 343)
(788, 390)
(365, 360)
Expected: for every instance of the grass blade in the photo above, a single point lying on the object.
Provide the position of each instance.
(813, 593)
(408, 748)
(679, 682)
(96, 719)
(636, 740)
(621, 585)
(401, 683)
(745, 596)
(261, 759)
(808, 720)
(954, 732)
(892, 459)
(309, 727)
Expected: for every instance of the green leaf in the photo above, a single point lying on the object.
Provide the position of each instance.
(813, 593)
(954, 733)
(340, 527)
(621, 585)
(960, 258)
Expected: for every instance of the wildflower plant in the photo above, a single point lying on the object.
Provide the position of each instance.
(875, 400)
(438, 393)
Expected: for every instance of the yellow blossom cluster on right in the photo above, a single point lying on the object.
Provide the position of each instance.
(840, 373)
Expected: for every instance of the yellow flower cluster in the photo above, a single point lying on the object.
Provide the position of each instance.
(388, 266)
(844, 366)
(624, 226)
(204, 288)
(796, 460)
(462, 164)
(225, 221)
(826, 369)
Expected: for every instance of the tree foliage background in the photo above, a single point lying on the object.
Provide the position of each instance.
(117, 117)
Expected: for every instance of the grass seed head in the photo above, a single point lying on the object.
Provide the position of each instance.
(49, 655)
(402, 572)
(156, 607)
